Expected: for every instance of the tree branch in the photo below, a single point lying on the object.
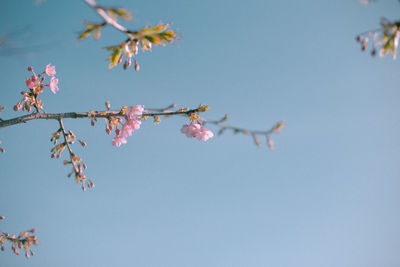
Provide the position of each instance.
(77, 115)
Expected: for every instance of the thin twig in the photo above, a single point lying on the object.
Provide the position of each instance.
(106, 17)
(226, 126)
(71, 154)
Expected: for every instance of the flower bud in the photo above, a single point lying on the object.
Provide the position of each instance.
(126, 65)
(137, 67)
(364, 45)
(30, 69)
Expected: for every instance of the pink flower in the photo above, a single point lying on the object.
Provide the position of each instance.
(204, 134)
(129, 127)
(134, 112)
(131, 124)
(50, 70)
(54, 85)
(118, 141)
(197, 130)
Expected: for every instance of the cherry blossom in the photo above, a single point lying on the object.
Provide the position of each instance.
(131, 124)
(197, 131)
(54, 85)
(134, 112)
(50, 70)
(118, 141)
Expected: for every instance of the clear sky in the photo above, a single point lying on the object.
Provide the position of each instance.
(327, 196)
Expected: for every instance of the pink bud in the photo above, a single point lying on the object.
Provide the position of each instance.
(30, 68)
(90, 184)
(2, 217)
(33, 230)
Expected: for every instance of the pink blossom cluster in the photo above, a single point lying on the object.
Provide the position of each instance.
(197, 130)
(34, 81)
(131, 124)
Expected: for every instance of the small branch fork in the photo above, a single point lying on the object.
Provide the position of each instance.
(106, 17)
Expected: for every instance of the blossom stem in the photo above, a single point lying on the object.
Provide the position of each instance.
(67, 144)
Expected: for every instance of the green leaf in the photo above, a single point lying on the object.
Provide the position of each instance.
(115, 57)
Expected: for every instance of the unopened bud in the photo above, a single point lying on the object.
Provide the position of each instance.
(33, 230)
(126, 65)
(2, 217)
(373, 52)
(358, 38)
(30, 68)
(72, 134)
(90, 184)
(82, 143)
(120, 59)
(364, 45)
(108, 106)
(137, 67)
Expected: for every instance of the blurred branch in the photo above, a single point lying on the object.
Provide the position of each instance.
(145, 37)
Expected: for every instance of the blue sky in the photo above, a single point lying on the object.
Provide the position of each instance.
(326, 196)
